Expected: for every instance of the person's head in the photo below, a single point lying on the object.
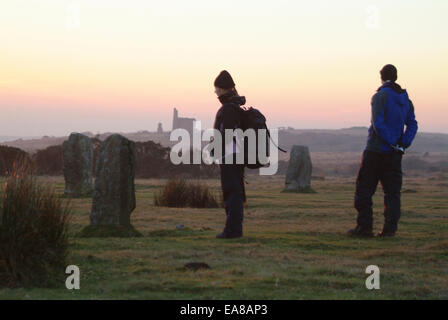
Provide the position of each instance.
(224, 84)
(388, 73)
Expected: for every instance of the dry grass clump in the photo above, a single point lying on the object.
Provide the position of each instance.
(179, 193)
(34, 224)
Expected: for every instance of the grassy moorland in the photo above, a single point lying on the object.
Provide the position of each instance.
(294, 247)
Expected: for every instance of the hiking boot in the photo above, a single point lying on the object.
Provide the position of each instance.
(224, 235)
(360, 232)
(384, 234)
(387, 232)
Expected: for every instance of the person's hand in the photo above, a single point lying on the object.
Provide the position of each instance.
(398, 148)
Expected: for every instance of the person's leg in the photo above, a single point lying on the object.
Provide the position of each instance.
(233, 194)
(244, 191)
(224, 188)
(391, 179)
(366, 184)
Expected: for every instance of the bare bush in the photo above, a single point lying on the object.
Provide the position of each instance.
(8, 156)
(33, 231)
(180, 193)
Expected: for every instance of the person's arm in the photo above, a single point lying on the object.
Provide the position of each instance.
(230, 118)
(379, 102)
(411, 127)
(230, 121)
(227, 117)
(216, 126)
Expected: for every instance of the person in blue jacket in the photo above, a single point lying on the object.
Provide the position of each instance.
(381, 161)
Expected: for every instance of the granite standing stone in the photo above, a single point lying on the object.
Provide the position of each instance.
(77, 157)
(114, 193)
(298, 175)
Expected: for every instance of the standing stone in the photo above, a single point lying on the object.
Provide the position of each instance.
(298, 176)
(114, 193)
(77, 157)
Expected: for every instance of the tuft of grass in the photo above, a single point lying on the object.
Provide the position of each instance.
(33, 231)
(180, 193)
(93, 231)
(300, 190)
(174, 233)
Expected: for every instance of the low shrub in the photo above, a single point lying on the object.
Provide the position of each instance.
(9, 156)
(33, 231)
(181, 193)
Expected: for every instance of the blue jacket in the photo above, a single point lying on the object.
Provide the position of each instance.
(391, 111)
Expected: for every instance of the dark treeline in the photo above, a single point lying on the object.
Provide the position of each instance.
(153, 161)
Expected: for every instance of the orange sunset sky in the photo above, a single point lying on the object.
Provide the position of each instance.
(105, 65)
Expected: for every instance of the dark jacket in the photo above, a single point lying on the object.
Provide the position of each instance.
(391, 111)
(229, 116)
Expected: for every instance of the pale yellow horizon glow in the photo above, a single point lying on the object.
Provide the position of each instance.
(123, 65)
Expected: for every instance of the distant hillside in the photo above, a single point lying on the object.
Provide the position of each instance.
(354, 139)
(11, 138)
(342, 140)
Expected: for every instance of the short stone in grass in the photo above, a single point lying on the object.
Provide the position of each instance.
(298, 175)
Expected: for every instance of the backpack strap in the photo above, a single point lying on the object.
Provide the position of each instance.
(269, 135)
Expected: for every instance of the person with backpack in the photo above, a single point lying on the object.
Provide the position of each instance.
(381, 162)
(232, 173)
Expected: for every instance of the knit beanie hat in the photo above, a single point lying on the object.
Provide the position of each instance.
(224, 80)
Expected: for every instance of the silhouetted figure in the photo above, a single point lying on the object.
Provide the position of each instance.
(381, 162)
(232, 175)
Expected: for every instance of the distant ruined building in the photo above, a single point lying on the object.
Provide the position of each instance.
(159, 128)
(183, 123)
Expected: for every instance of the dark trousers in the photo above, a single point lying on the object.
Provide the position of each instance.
(232, 183)
(384, 168)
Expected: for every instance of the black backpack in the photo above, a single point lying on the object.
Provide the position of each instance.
(252, 118)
